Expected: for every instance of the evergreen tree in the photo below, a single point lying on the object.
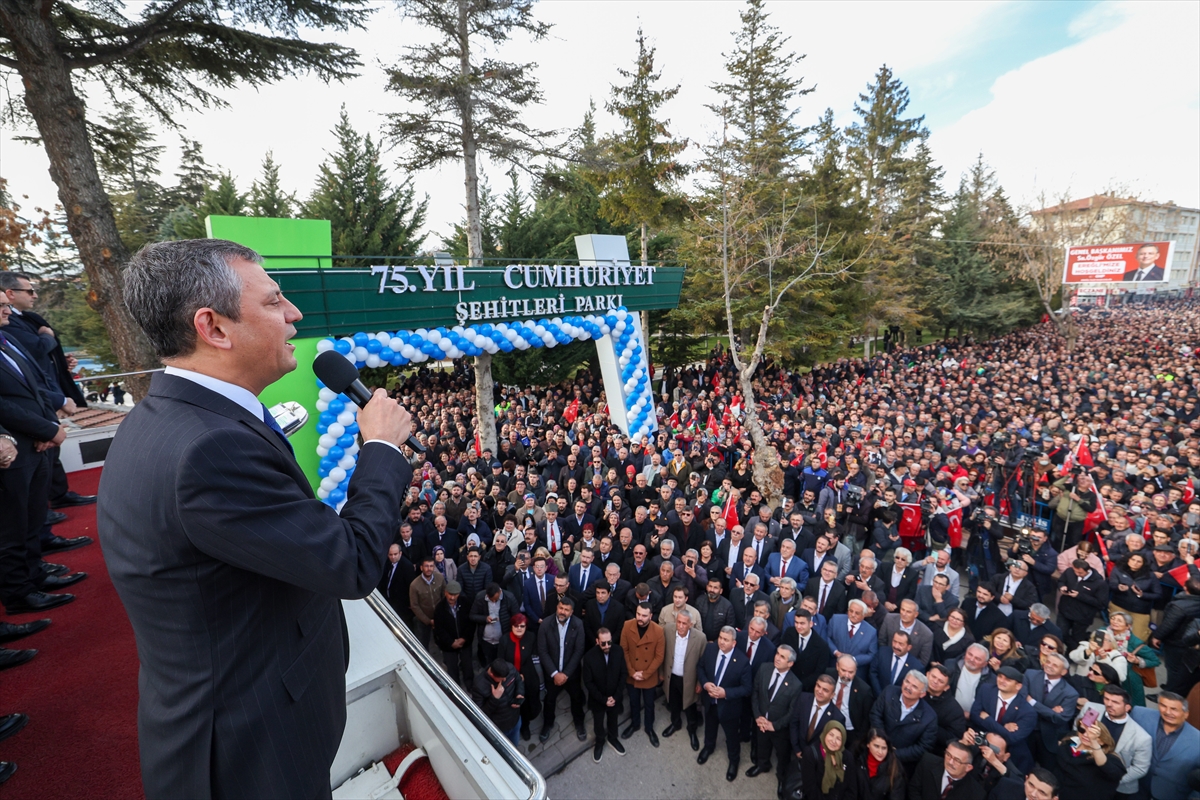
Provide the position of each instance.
(187, 222)
(368, 215)
(638, 185)
(128, 160)
(267, 198)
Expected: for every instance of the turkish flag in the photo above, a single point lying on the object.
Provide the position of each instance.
(1189, 491)
(730, 513)
(712, 424)
(955, 527)
(910, 522)
(823, 455)
(1083, 456)
(572, 412)
(1180, 574)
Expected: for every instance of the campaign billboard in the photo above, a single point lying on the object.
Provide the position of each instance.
(1137, 262)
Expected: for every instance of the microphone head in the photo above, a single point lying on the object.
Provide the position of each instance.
(333, 370)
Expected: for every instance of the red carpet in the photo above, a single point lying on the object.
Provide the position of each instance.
(80, 691)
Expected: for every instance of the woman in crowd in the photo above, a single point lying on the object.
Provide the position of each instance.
(519, 648)
(1088, 769)
(444, 565)
(1137, 653)
(1004, 650)
(827, 771)
(563, 559)
(880, 774)
(741, 477)
(1091, 685)
(1099, 648)
(952, 638)
(709, 559)
(1050, 645)
(1133, 588)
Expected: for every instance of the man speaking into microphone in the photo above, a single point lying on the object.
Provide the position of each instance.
(229, 567)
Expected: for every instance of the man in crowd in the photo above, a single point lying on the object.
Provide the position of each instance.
(604, 679)
(681, 660)
(724, 678)
(644, 645)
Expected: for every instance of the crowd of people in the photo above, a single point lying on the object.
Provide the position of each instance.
(37, 395)
(984, 553)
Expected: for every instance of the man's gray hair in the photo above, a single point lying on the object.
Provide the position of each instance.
(860, 603)
(788, 653)
(788, 582)
(1062, 660)
(978, 646)
(920, 676)
(12, 280)
(167, 282)
(732, 631)
(1041, 610)
(757, 622)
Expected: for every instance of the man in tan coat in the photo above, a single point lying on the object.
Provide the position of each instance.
(643, 643)
(681, 654)
(424, 593)
(679, 604)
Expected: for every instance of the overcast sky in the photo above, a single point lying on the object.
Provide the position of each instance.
(1057, 96)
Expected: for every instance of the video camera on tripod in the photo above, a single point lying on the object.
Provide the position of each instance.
(1023, 543)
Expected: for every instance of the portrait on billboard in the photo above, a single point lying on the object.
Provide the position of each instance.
(1133, 262)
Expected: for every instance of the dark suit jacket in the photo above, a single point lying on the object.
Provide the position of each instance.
(604, 680)
(814, 570)
(1019, 711)
(25, 411)
(1052, 726)
(400, 577)
(907, 590)
(613, 619)
(861, 699)
(1154, 274)
(881, 669)
(1025, 596)
(47, 351)
(735, 681)
(548, 646)
(232, 574)
(925, 783)
(837, 601)
(912, 736)
(987, 620)
(532, 598)
(800, 721)
(1029, 636)
(764, 654)
(812, 661)
(780, 710)
(743, 607)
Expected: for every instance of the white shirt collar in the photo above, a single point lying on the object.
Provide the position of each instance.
(243, 397)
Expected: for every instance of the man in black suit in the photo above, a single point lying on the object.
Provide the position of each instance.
(812, 712)
(1083, 593)
(604, 678)
(724, 677)
(828, 591)
(909, 721)
(560, 665)
(398, 575)
(812, 652)
(29, 418)
(893, 662)
(983, 615)
(744, 598)
(1031, 626)
(412, 544)
(900, 579)
(1015, 591)
(853, 698)
(454, 634)
(231, 571)
(947, 777)
(772, 704)
(603, 611)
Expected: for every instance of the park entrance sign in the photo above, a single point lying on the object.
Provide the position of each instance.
(389, 311)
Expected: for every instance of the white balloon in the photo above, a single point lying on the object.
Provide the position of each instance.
(522, 345)
(454, 352)
(422, 332)
(347, 462)
(384, 337)
(620, 327)
(408, 351)
(336, 431)
(511, 335)
(350, 357)
(322, 492)
(539, 329)
(322, 451)
(323, 405)
(623, 361)
(338, 474)
(326, 394)
(622, 313)
(434, 336)
(637, 373)
(329, 484)
(324, 344)
(346, 417)
(549, 339)
(352, 449)
(373, 360)
(360, 353)
(327, 440)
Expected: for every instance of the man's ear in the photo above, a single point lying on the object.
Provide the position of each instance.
(212, 328)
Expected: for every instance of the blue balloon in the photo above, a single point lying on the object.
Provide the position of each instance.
(327, 418)
(337, 405)
(336, 496)
(336, 453)
(342, 346)
(374, 346)
(506, 345)
(327, 463)
(360, 339)
(346, 440)
(352, 428)
(322, 428)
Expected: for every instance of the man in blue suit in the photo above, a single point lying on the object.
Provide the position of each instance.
(849, 634)
(909, 721)
(1176, 745)
(231, 570)
(760, 650)
(785, 564)
(891, 665)
(537, 588)
(1053, 699)
(724, 677)
(1002, 708)
(743, 567)
(585, 573)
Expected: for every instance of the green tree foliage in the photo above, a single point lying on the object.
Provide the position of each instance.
(128, 158)
(267, 197)
(639, 181)
(223, 199)
(369, 216)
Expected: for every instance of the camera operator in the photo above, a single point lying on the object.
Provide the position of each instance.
(1035, 550)
(1072, 507)
(1007, 455)
(983, 548)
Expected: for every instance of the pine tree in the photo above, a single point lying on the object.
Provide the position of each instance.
(267, 198)
(369, 216)
(187, 222)
(128, 160)
(639, 183)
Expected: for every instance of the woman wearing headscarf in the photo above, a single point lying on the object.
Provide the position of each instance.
(827, 769)
(444, 565)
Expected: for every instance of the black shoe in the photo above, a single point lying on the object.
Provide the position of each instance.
(703, 757)
(598, 752)
(731, 773)
(55, 517)
(526, 734)
(12, 723)
(14, 658)
(653, 738)
(580, 732)
(670, 729)
(695, 740)
(38, 601)
(55, 569)
(630, 731)
(757, 770)
(57, 544)
(72, 499)
(7, 768)
(615, 744)
(53, 583)
(545, 734)
(10, 632)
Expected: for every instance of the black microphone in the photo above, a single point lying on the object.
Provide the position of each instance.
(341, 377)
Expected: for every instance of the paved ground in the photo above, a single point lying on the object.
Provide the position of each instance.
(668, 772)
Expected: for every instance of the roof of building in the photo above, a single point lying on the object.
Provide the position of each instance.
(98, 416)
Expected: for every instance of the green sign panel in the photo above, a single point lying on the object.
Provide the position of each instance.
(385, 294)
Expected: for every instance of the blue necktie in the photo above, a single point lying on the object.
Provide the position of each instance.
(273, 425)
(12, 363)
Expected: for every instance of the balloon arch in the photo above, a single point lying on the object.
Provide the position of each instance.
(619, 343)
